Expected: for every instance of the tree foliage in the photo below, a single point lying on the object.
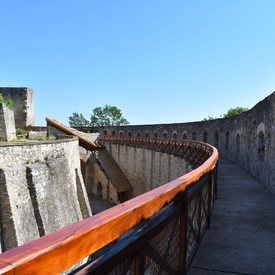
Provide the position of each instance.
(235, 111)
(210, 118)
(230, 112)
(101, 116)
(78, 120)
(107, 116)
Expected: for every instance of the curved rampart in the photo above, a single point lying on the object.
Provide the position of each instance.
(149, 163)
(195, 152)
(247, 139)
(171, 221)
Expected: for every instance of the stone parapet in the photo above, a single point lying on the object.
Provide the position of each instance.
(247, 139)
(7, 125)
(41, 189)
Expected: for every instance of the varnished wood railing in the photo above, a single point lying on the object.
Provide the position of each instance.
(195, 152)
(189, 198)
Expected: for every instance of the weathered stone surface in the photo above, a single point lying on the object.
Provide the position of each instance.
(247, 139)
(41, 189)
(23, 99)
(82, 195)
(32, 135)
(18, 224)
(145, 169)
(7, 124)
(53, 196)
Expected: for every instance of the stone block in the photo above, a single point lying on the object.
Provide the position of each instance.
(53, 194)
(23, 99)
(18, 224)
(7, 123)
(37, 135)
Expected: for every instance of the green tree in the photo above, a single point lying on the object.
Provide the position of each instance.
(210, 118)
(235, 111)
(107, 116)
(230, 112)
(78, 120)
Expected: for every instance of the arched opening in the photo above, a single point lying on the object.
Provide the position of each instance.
(174, 135)
(165, 134)
(146, 134)
(184, 136)
(261, 145)
(194, 136)
(268, 141)
(121, 133)
(238, 144)
(155, 135)
(204, 137)
(129, 134)
(216, 139)
(227, 141)
(99, 190)
(138, 134)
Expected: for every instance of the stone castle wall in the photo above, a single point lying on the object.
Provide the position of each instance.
(147, 169)
(23, 99)
(102, 185)
(41, 190)
(7, 124)
(247, 139)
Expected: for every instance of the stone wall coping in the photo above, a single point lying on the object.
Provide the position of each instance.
(36, 142)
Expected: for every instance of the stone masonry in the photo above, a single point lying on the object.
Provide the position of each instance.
(7, 124)
(41, 189)
(23, 99)
(247, 139)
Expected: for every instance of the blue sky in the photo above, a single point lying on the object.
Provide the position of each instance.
(158, 61)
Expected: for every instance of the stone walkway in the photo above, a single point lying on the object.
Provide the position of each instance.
(241, 238)
(98, 205)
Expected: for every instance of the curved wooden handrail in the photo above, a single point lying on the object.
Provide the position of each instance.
(59, 250)
(185, 148)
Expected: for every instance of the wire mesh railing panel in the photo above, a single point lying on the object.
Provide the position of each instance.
(162, 251)
(151, 248)
(197, 219)
(204, 208)
(192, 226)
(123, 268)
